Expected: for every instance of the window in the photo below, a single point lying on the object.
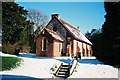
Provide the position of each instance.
(59, 47)
(44, 44)
(55, 28)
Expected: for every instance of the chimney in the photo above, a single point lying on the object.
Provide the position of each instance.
(55, 16)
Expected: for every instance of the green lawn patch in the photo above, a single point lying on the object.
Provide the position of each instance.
(9, 62)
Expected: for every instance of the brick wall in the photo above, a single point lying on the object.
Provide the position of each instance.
(38, 45)
(52, 48)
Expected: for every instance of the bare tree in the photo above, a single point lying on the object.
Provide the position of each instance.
(40, 20)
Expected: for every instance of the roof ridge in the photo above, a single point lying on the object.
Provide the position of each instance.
(62, 21)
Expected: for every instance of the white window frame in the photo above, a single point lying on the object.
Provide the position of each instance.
(59, 47)
(43, 43)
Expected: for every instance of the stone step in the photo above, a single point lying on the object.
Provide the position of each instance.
(65, 65)
(63, 76)
(64, 68)
(63, 73)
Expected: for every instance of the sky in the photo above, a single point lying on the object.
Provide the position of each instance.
(85, 15)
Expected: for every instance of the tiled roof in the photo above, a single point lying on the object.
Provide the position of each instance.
(75, 32)
(54, 34)
(63, 22)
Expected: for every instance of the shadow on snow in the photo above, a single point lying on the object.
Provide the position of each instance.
(90, 61)
(18, 77)
(82, 61)
(34, 56)
(63, 59)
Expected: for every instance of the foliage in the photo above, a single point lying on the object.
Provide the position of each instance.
(92, 34)
(12, 22)
(106, 45)
(15, 26)
(9, 48)
(111, 33)
(9, 63)
(95, 36)
(0, 43)
(116, 66)
(18, 26)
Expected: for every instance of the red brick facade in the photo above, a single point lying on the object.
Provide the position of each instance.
(60, 38)
(52, 45)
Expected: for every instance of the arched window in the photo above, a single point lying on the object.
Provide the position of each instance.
(44, 44)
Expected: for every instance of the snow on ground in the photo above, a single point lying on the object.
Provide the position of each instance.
(34, 67)
(39, 67)
(94, 71)
(2, 54)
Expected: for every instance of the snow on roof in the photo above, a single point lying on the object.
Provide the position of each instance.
(77, 34)
(54, 34)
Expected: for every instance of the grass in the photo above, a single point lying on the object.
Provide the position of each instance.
(9, 63)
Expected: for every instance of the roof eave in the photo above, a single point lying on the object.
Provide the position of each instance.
(83, 41)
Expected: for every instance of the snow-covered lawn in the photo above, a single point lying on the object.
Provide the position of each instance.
(95, 71)
(34, 67)
(39, 67)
